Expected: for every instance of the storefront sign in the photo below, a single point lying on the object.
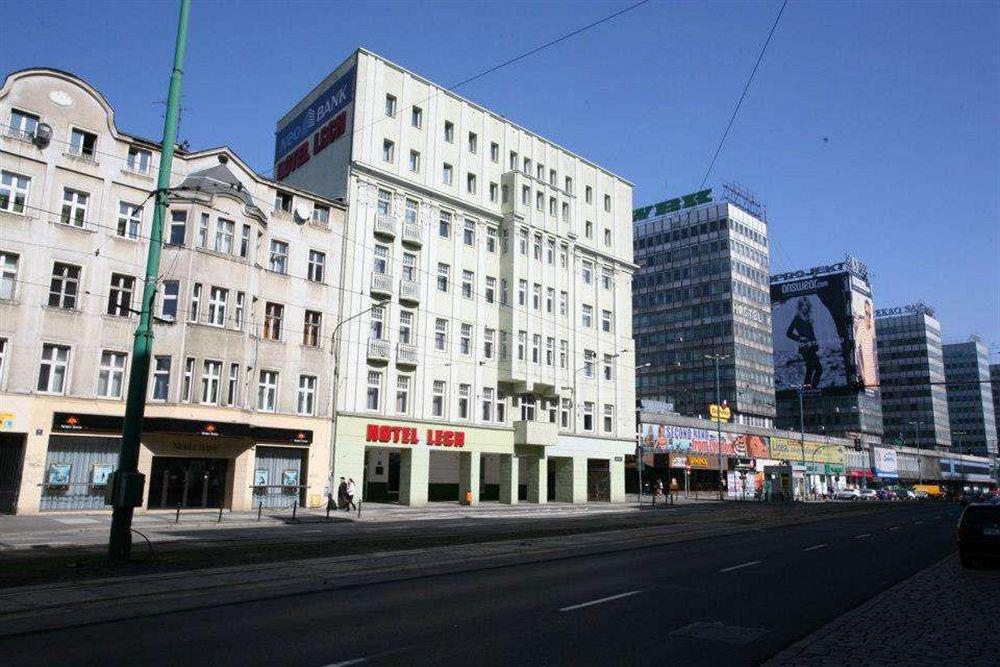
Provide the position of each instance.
(7, 421)
(408, 435)
(672, 205)
(860, 473)
(195, 447)
(67, 422)
(694, 461)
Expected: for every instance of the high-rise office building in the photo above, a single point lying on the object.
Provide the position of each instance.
(702, 291)
(970, 398)
(911, 376)
(825, 358)
(995, 388)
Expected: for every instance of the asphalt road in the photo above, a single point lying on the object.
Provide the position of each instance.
(767, 588)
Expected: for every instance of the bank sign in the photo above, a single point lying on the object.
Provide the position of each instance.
(320, 111)
(673, 205)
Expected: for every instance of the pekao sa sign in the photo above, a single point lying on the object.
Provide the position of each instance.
(672, 205)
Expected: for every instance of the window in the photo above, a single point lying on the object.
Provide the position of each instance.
(550, 351)
(384, 203)
(491, 289)
(444, 225)
(588, 416)
(129, 220)
(494, 152)
(587, 316)
(525, 195)
(522, 342)
(52, 371)
(388, 151)
(513, 160)
(441, 334)
(541, 172)
(273, 314)
(306, 403)
(494, 190)
(468, 277)
(609, 364)
(550, 300)
(607, 277)
(527, 409)
(536, 247)
(565, 211)
(465, 339)
(377, 323)
(536, 296)
(178, 227)
(282, 201)
(279, 257)
(390, 105)
(188, 380)
(380, 259)
(488, 395)
(449, 131)
(569, 185)
(607, 203)
(503, 344)
(8, 274)
(488, 336)
(539, 201)
(563, 256)
(64, 286)
(522, 241)
(195, 313)
(409, 266)
(550, 251)
(552, 205)
(224, 233)
(211, 382)
(522, 292)
(406, 327)
(239, 315)
(589, 358)
(501, 408)
(552, 410)
(161, 378)
(22, 124)
(587, 271)
(607, 237)
(410, 212)
(233, 391)
(218, 301)
(415, 161)
(417, 117)
(245, 241)
(469, 232)
(588, 194)
(504, 194)
(120, 298)
(321, 214)
(566, 406)
(564, 303)
(446, 173)
(606, 318)
(74, 208)
(311, 328)
(267, 391)
(317, 265)
(374, 388)
(437, 399)
(82, 143)
(442, 277)
(491, 239)
(588, 229)
(403, 394)
(553, 178)
(563, 354)
(464, 393)
(536, 344)
(609, 418)
(504, 293)
(473, 142)
(111, 375)
(13, 192)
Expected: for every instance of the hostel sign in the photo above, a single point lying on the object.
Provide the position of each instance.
(673, 205)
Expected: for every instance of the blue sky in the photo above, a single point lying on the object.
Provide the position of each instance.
(871, 127)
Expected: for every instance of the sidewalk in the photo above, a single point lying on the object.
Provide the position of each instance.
(941, 615)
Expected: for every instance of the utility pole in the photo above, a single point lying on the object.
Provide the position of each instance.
(802, 443)
(126, 488)
(718, 415)
(920, 469)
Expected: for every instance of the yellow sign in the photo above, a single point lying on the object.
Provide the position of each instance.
(7, 421)
(813, 452)
(716, 413)
(697, 461)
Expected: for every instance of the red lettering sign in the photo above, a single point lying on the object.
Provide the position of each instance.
(407, 435)
(297, 158)
(325, 136)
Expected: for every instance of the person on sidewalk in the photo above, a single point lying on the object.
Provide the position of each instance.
(351, 490)
(342, 494)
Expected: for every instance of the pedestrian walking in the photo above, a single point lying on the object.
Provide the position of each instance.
(351, 490)
(342, 494)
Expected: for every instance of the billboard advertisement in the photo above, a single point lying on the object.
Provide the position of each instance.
(668, 438)
(788, 449)
(813, 333)
(320, 111)
(865, 355)
(885, 462)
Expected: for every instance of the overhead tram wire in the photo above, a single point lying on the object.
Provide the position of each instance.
(746, 88)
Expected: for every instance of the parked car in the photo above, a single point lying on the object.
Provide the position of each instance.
(869, 494)
(906, 494)
(979, 534)
(886, 494)
(847, 494)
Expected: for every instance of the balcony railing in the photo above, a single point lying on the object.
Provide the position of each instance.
(406, 354)
(411, 235)
(409, 290)
(381, 283)
(378, 349)
(385, 225)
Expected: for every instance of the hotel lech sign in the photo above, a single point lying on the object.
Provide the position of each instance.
(321, 121)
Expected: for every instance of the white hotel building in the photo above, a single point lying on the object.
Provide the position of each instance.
(500, 364)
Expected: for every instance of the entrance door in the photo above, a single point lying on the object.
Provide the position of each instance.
(196, 483)
(11, 460)
(392, 485)
(598, 480)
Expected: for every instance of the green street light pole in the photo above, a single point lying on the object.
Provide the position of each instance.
(718, 416)
(126, 488)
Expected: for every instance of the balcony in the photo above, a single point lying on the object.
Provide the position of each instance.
(381, 284)
(406, 354)
(385, 225)
(409, 291)
(535, 433)
(378, 350)
(411, 235)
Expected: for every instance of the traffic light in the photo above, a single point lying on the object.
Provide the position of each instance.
(857, 444)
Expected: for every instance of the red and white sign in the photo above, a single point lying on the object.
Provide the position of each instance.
(408, 435)
(322, 138)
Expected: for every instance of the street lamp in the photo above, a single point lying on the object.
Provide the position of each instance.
(802, 432)
(718, 415)
(920, 470)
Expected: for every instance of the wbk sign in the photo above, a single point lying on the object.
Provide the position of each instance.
(672, 205)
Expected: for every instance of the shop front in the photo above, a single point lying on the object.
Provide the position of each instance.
(820, 468)
(696, 473)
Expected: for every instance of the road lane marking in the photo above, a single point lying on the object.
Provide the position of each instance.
(358, 661)
(601, 600)
(894, 528)
(737, 567)
(918, 522)
(862, 536)
(816, 546)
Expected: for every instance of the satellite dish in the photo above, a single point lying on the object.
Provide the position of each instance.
(301, 213)
(42, 135)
